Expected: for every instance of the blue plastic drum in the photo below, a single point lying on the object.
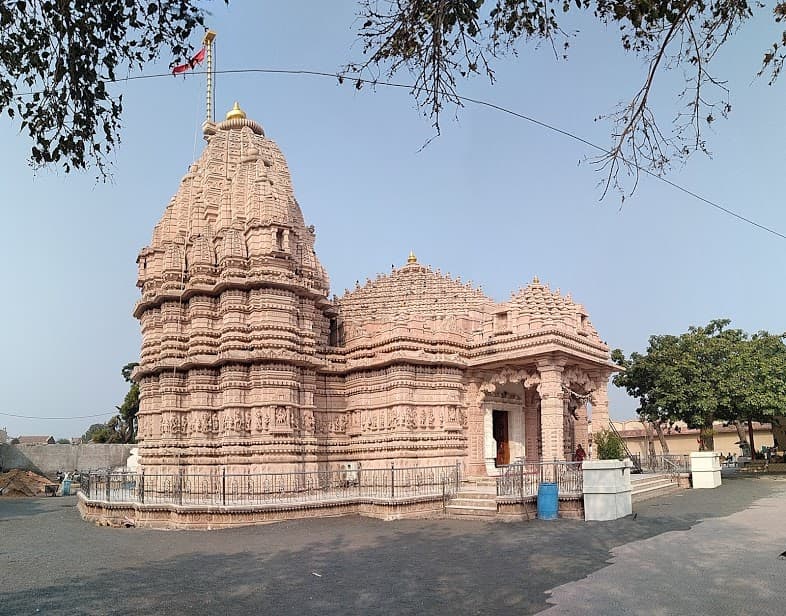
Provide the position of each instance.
(548, 503)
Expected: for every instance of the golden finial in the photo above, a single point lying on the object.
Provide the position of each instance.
(236, 113)
(535, 280)
(412, 258)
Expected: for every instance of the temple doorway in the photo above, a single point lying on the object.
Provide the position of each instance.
(500, 433)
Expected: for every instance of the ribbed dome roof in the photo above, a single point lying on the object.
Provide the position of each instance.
(414, 290)
(550, 308)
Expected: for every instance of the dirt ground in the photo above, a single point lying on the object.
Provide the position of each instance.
(17, 482)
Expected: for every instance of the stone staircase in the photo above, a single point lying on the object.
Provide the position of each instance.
(651, 485)
(476, 498)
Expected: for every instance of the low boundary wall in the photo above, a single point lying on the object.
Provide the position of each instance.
(191, 517)
(48, 459)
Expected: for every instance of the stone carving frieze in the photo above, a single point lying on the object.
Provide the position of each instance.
(528, 378)
(574, 377)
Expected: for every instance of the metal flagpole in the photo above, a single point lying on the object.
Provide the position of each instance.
(210, 36)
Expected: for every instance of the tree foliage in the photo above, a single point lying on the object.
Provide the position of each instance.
(608, 445)
(125, 422)
(57, 58)
(97, 433)
(122, 427)
(444, 41)
(706, 374)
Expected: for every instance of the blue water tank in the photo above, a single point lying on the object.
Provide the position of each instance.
(548, 501)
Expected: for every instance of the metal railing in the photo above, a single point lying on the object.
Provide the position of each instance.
(635, 459)
(276, 489)
(668, 462)
(522, 479)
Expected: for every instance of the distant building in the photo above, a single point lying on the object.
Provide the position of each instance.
(681, 439)
(36, 440)
(3, 436)
(76, 440)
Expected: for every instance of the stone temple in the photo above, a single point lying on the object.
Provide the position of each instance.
(247, 365)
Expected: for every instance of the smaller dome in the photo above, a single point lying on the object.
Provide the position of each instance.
(236, 113)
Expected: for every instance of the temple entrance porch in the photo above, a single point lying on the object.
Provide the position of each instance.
(509, 417)
(533, 413)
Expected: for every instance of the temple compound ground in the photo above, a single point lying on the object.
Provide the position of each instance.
(248, 367)
(696, 552)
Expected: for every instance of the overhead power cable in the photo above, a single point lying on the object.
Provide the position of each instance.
(56, 418)
(466, 99)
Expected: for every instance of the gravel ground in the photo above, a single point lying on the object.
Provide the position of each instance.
(51, 562)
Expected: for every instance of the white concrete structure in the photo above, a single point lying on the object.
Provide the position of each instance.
(607, 492)
(705, 469)
(132, 464)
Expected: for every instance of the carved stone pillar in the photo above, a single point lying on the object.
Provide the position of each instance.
(600, 406)
(476, 466)
(490, 445)
(551, 411)
(581, 435)
(531, 428)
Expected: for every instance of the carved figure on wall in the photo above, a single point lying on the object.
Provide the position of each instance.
(239, 423)
(308, 421)
(411, 418)
(202, 425)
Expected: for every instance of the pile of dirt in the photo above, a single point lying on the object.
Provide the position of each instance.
(17, 482)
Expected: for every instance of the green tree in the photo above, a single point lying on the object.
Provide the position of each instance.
(97, 433)
(608, 445)
(756, 381)
(122, 427)
(63, 441)
(444, 41)
(58, 57)
(706, 374)
(125, 423)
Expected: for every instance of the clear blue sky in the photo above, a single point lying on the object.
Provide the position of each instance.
(495, 200)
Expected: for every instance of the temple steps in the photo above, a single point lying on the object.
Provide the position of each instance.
(476, 498)
(471, 511)
(651, 485)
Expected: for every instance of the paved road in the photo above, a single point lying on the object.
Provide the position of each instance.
(730, 565)
(53, 563)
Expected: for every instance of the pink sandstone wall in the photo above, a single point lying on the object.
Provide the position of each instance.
(247, 364)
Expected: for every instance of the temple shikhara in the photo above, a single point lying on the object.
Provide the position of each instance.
(248, 364)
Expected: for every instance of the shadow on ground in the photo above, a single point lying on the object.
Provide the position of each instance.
(345, 565)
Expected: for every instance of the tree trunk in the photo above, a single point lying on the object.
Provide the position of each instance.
(741, 436)
(650, 450)
(707, 436)
(664, 445)
(750, 437)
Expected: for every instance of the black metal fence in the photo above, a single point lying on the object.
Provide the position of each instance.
(522, 479)
(230, 489)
